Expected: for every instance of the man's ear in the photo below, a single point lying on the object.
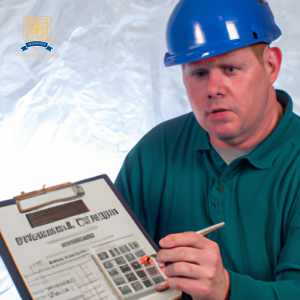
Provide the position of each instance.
(273, 61)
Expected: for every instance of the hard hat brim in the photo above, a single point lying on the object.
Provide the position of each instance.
(207, 51)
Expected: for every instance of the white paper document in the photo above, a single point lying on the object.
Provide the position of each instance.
(99, 254)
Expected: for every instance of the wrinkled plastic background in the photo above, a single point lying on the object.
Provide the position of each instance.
(78, 114)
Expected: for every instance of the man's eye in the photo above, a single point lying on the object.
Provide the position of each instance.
(230, 69)
(201, 73)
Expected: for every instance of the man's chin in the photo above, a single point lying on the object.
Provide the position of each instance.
(224, 135)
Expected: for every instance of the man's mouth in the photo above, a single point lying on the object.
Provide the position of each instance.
(218, 110)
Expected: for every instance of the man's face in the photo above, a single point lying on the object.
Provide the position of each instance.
(228, 93)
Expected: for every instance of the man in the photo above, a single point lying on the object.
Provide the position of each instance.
(235, 159)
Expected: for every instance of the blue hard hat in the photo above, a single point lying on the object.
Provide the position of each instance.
(198, 29)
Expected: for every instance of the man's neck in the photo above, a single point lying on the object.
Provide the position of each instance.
(230, 155)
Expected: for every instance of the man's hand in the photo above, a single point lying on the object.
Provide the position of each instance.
(198, 268)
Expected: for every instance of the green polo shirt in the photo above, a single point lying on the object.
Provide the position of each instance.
(175, 181)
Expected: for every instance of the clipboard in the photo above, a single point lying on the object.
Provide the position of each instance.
(23, 210)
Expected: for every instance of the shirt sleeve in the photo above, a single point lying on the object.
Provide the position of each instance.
(140, 181)
(286, 283)
(129, 184)
(247, 288)
(244, 287)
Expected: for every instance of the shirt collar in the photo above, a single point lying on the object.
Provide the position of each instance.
(267, 151)
(263, 156)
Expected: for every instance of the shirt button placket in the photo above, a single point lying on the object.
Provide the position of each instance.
(216, 203)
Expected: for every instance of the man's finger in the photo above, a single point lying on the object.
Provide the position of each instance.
(188, 270)
(189, 255)
(190, 286)
(181, 254)
(185, 239)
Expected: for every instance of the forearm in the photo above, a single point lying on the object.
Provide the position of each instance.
(247, 288)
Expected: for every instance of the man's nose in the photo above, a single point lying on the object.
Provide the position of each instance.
(215, 84)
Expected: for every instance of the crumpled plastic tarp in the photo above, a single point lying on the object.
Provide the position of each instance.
(76, 115)
(8, 290)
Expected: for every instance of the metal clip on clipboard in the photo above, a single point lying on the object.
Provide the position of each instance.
(48, 196)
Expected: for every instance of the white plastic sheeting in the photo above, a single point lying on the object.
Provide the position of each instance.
(8, 290)
(76, 115)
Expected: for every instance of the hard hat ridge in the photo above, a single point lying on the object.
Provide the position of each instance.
(198, 29)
